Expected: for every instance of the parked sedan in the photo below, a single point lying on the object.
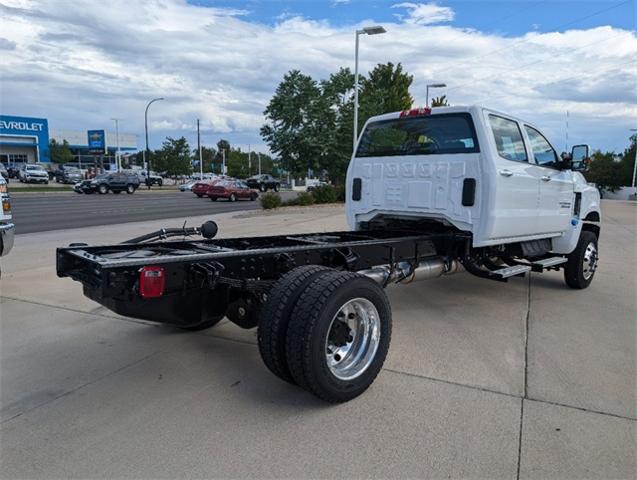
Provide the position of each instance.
(201, 188)
(264, 183)
(187, 187)
(232, 190)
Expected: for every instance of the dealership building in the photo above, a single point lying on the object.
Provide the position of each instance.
(26, 139)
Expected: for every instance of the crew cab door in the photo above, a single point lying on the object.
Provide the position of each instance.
(556, 198)
(515, 189)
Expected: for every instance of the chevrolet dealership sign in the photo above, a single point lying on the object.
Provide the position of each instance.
(97, 141)
(16, 130)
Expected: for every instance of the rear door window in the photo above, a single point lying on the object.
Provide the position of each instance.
(425, 135)
(508, 138)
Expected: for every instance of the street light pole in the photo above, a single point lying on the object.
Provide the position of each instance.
(433, 85)
(200, 155)
(375, 30)
(147, 152)
(259, 157)
(223, 165)
(634, 164)
(117, 154)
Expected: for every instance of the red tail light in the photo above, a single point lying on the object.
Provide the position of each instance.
(152, 282)
(415, 112)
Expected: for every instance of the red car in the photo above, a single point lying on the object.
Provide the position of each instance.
(201, 188)
(232, 190)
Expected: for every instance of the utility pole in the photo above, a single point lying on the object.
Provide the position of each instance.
(200, 155)
(249, 160)
(117, 153)
(259, 157)
(223, 165)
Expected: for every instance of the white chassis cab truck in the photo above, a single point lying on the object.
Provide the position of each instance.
(7, 228)
(429, 192)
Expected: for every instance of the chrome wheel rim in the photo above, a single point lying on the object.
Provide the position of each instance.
(590, 261)
(353, 339)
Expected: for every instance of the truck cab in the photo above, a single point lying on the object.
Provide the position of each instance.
(472, 169)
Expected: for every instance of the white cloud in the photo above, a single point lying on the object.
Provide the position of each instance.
(81, 66)
(336, 3)
(425, 13)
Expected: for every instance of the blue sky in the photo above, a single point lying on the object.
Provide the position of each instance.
(509, 17)
(221, 61)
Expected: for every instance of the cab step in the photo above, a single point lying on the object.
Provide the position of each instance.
(512, 271)
(541, 265)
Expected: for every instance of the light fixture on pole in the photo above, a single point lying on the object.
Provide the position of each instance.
(117, 154)
(375, 30)
(146, 152)
(433, 85)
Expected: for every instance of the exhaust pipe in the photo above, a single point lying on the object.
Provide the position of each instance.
(404, 272)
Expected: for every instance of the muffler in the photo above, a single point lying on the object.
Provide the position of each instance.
(405, 272)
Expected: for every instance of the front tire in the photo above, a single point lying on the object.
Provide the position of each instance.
(102, 189)
(130, 189)
(232, 198)
(338, 335)
(214, 199)
(582, 262)
(276, 187)
(199, 195)
(262, 188)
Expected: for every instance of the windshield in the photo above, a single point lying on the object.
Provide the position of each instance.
(427, 135)
(35, 168)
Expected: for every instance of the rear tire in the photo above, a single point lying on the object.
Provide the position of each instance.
(582, 262)
(102, 189)
(275, 316)
(232, 198)
(214, 199)
(338, 335)
(276, 187)
(262, 188)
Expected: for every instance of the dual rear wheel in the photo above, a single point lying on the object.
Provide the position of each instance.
(325, 330)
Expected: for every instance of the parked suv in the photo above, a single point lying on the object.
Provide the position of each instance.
(68, 174)
(105, 182)
(264, 183)
(30, 173)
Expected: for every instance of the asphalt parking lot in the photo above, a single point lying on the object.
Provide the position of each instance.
(527, 379)
(40, 212)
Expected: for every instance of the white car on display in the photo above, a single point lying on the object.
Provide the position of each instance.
(32, 173)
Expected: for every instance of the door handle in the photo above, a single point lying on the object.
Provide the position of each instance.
(546, 178)
(505, 173)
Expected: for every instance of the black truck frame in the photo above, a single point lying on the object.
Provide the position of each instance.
(318, 299)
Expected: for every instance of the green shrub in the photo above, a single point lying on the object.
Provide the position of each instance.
(271, 200)
(302, 199)
(324, 194)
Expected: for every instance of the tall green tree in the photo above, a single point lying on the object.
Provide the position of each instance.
(604, 171)
(60, 152)
(208, 155)
(295, 119)
(385, 90)
(627, 163)
(173, 158)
